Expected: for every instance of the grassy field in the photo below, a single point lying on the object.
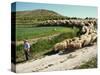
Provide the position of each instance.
(42, 47)
(35, 32)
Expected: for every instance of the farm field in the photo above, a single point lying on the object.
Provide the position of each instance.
(36, 32)
(42, 46)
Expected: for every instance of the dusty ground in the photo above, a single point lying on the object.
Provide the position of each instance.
(59, 62)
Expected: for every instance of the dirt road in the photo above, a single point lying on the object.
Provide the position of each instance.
(59, 62)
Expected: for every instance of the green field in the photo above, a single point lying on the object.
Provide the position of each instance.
(42, 46)
(35, 32)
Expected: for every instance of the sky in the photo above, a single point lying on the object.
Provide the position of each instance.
(65, 10)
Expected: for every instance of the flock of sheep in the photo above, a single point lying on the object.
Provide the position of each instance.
(70, 22)
(88, 36)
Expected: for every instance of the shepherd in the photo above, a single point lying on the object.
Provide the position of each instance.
(27, 49)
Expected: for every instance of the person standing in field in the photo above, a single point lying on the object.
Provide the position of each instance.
(27, 49)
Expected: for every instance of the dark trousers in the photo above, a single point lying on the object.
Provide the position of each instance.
(26, 54)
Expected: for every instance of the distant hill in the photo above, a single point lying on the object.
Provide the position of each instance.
(35, 16)
(38, 12)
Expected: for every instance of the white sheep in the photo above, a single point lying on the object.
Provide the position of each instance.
(87, 40)
(93, 37)
(60, 46)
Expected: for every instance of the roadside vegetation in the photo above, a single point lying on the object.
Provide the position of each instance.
(90, 64)
(42, 46)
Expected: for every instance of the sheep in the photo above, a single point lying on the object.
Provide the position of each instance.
(78, 42)
(83, 36)
(78, 45)
(85, 30)
(70, 46)
(82, 24)
(89, 34)
(75, 38)
(91, 28)
(72, 22)
(60, 46)
(81, 41)
(74, 45)
(68, 41)
(94, 38)
(87, 40)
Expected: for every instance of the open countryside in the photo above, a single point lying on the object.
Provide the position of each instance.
(58, 42)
